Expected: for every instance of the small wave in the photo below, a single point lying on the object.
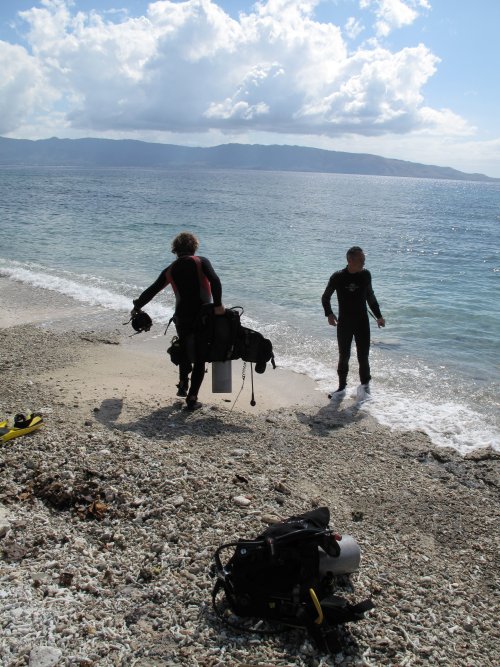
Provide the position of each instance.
(447, 424)
(80, 291)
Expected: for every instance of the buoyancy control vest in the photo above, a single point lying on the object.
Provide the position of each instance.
(287, 576)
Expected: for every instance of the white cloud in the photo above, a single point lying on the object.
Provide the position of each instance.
(23, 87)
(393, 14)
(188, 67)
(353, 28)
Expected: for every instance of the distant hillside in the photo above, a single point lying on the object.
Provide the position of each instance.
(128, 153)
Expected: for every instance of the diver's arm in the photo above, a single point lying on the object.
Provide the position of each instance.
(371, 299)
(327, 298)
(160, 283)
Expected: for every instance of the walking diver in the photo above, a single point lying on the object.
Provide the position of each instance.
(195, 284)
(354, 290)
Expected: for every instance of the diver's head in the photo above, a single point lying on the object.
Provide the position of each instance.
(185, 243)
(355, 259)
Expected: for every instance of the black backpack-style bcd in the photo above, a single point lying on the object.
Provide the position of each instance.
(253, 347)
(222, 337)
(287, 577)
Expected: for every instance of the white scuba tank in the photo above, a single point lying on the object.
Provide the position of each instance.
(345, 563)
(221, 377)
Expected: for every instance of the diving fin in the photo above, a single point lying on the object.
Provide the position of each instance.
(22, 426)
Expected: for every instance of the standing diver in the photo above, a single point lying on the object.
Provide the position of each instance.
(354, 290)
(195, 284)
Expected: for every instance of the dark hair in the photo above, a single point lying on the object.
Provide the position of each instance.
(353, 251)
(185, 244)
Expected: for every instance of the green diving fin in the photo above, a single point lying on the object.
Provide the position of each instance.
(22, 426)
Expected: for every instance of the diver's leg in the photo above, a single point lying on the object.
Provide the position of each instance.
(362, 338)
(197, 374)
(196, 379)
(344, 340)
(185, 366)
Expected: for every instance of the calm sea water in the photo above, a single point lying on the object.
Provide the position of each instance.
(101, 236)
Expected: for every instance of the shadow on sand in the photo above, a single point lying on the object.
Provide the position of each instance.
(336, 414)
(339, 638)
(167, 422)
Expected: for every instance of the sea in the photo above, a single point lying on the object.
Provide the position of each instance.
(100, 236)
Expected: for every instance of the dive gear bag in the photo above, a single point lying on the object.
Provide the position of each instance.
(222, 337)
(286, 577)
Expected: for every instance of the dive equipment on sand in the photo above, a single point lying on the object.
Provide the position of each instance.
(289, 576)
(21, 426)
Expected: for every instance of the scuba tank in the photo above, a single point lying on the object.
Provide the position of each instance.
(346, 562)
(221, 377)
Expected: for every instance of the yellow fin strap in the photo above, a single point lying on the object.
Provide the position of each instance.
(317, 606)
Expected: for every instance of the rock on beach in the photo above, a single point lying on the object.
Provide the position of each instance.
(44, 656)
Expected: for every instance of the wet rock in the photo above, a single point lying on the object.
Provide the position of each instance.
(486, 454)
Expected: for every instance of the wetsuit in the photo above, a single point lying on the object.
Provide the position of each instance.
(195, 283)
(354, 291)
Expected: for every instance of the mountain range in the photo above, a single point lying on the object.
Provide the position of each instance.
(130, 153)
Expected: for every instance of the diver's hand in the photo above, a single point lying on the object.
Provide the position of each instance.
(332, 320)
(380, 322)
(219, 310)
(135, 311)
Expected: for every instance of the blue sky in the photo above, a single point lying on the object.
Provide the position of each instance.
(409, 79)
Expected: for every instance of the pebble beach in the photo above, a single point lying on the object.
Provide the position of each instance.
(111, 512)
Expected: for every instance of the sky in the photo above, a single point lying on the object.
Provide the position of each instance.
(415, 80)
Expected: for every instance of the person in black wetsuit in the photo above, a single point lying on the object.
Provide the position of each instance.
(195, 283)
(354, 290)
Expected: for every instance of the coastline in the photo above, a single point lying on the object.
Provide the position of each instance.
(426, 518)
